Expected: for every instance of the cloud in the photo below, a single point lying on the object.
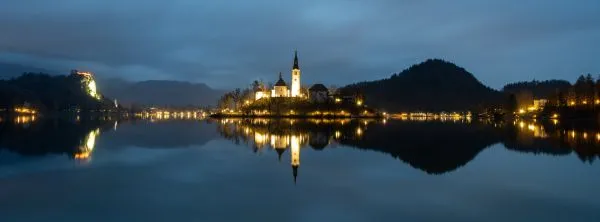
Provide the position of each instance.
(230, 43)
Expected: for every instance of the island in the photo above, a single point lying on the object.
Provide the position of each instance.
(295, 101)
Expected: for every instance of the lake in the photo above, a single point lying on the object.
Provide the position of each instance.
(298, 170)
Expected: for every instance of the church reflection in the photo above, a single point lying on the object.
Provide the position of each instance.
(260, 134)
(435, 147)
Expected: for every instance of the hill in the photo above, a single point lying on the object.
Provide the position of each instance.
(161, 93)
(50, 93)
(433, 85)
(10, 70)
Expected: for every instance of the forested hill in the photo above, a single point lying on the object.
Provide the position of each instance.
(433, 85)
(538, 89)
(48, 93)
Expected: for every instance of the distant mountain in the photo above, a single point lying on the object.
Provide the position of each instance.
(161, 93)
(433, 85)
(10, 70)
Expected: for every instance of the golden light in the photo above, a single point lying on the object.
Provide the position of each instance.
(521, 111)
(260, 138)
(295, 150)
(88, 147)
(585, 135)
(584, 102)
(337, 100)
(555, 116)
(338, 134)
(555, 121)
(597, 101)
(92, 90)
(573, 133)
(359, 131)
(572, 103)
(521, 124)
(359, 102)
(531, 127)
(598, 136)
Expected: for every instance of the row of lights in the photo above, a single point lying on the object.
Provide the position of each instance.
(583, 102)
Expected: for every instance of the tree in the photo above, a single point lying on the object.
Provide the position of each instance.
(511, 105)
(257, 85)
(304, 91)
(236, 95)
(225, 101)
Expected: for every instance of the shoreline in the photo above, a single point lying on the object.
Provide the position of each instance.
(222, 116)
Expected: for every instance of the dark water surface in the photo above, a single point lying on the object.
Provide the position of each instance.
(293, 170)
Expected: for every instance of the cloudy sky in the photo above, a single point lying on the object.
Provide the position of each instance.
(229, 43)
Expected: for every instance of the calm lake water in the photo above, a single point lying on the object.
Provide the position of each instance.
(298, 170)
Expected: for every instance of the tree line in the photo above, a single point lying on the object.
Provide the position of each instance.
(559, 93)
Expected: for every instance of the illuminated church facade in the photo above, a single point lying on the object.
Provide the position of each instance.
(281, 89)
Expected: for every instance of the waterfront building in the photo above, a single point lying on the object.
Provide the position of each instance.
(318, 93)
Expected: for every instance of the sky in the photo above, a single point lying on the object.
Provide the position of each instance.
(229, 44)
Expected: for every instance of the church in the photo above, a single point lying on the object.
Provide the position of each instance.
(281, 89)
(317, 93)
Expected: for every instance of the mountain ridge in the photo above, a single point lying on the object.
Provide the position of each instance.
(162, 93)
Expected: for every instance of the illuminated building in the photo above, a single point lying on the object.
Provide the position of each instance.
(87, 82)
(295, 91)
(280, 89)
(260, 94)
(540, 103)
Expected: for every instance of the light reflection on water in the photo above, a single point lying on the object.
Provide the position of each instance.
(435, 165)
(414, 142)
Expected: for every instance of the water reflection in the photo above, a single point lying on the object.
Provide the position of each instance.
(30, 137)
(581, 138)
(87, 146)
(435, 147)
(77, 136)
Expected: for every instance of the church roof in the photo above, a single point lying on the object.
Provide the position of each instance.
(295, 60)
(280, 82)
(318, 87)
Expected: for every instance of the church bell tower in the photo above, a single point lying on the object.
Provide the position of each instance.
(295, 89)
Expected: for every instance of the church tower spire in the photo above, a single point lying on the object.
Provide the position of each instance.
(295, 90)
(295, 60)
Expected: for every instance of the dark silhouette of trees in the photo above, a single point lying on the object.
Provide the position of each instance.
(434, 85)
(49, 93)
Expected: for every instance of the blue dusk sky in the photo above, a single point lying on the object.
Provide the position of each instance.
(230, 43)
